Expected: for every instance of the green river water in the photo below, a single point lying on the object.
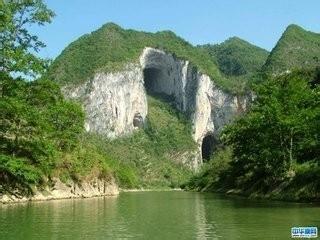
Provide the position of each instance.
(155, 215)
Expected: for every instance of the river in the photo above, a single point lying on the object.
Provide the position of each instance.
(155, 215)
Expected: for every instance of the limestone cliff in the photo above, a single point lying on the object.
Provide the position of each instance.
(59, 190)
(112, 101)
(116, 103)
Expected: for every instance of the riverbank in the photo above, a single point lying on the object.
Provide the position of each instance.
(287, 191)
(73, 190)
(68, 190)
(151, 190)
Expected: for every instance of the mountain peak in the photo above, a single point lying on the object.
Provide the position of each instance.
(297, 48)
(293, 27)
(111, 26)
(234, 39)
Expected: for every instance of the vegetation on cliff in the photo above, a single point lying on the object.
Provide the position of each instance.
(273, 150)
(110, 48)
(37, 125)
(154, 154)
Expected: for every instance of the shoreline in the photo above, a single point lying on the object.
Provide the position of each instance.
(39, 197)
(151, 190)
(114, 191)
(284, 197)
(69, 190)
(7, 200)
(25, 200)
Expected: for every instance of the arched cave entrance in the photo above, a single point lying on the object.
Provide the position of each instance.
(208, 146)
(157, 84)
(152, 78)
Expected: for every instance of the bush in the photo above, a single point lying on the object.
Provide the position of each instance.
(18, 173)
(212, 173)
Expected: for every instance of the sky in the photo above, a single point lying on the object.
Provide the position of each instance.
(260, 22)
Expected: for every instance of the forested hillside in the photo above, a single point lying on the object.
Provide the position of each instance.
(236, 57)
(296, 49)
(238, 61)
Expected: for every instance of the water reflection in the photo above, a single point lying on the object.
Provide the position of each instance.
(205, 229)
(155, 215)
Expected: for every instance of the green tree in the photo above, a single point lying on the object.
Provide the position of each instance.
(36, 125)
(281, 129)
(17, 44)
(66, 120)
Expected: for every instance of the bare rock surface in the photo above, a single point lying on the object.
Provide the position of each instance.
(70, 189)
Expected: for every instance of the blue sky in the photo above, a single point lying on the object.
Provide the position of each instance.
(260, 22)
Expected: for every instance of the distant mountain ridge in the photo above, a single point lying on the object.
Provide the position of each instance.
(111, 48)
(232, 64)
(237, 57)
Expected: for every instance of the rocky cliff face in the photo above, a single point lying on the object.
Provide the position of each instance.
(59, 190)
(116, 103)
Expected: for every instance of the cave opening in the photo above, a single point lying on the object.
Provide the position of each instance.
(154, 81)
(208, 147)
(152, 76)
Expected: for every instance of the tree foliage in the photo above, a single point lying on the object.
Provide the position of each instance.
(18, 44)
(282, 129)
(36, 124)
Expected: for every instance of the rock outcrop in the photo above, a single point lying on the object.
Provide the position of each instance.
(70, 189)
(194, 93)
(112, 101)
(116, 103)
